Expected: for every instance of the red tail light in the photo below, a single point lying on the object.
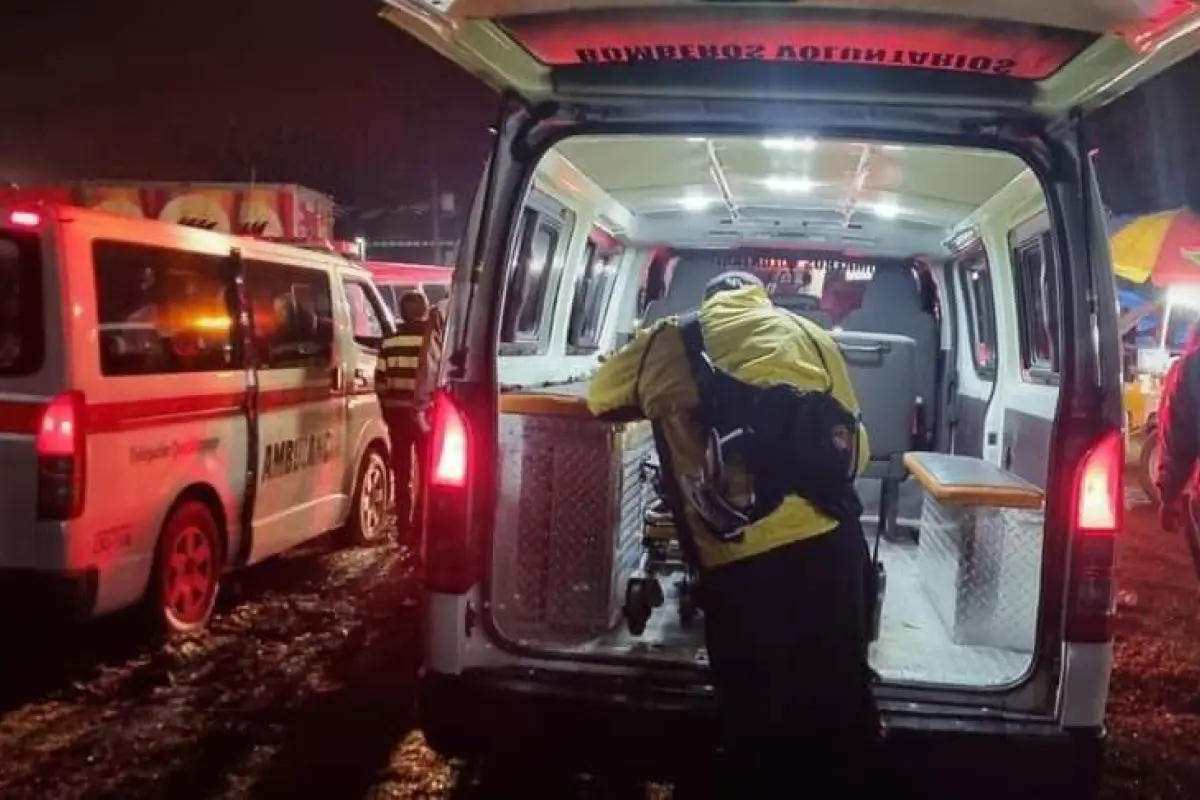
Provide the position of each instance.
(453, 559)
(61, 451)
(1097, 516)
(449, 444)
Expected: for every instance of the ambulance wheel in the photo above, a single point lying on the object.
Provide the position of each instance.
(187, 571)
(1148, 466)
(368, 522)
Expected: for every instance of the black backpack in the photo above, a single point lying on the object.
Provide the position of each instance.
(788, 440)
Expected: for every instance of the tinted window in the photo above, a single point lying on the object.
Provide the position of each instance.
(161, 310)
(592, 294)
(525, 304)
(22, 328)
(365, 315)
(976, 279)
(293, 315)
(436, 292)
(1036, 303)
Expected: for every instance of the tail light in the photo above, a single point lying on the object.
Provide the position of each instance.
(61, 454)
(452, 552)
(25, 219)
(1097, 515)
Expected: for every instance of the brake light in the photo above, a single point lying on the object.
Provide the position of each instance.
(25, 219)
(453, 556)
(61, 452)
(1097, 516)
(449, 444)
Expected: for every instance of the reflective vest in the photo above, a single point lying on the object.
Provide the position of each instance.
(399, 360)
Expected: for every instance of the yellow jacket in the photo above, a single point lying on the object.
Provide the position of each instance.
(750, 339)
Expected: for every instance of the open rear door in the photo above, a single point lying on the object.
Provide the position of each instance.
(1045, 56)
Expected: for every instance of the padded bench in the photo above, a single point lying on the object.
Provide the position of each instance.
(979, 555)
(570, 512)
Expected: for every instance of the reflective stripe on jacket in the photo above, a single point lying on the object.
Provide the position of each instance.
(399, 360)
(755, 342)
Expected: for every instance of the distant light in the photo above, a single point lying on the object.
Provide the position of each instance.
(789, 185)
(695, 202)
(696, 139)
(805, 145)
(886, 210)
(25, 219)
(893, 147)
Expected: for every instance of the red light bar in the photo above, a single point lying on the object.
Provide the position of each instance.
(25, 219)
(1025, 52)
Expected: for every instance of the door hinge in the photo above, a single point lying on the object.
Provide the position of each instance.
(469, 619)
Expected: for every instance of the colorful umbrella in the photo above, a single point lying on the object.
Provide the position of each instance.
(1162, 248)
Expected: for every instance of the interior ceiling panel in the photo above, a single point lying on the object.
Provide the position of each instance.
(793, 186)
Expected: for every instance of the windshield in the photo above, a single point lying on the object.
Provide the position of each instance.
(21, 323)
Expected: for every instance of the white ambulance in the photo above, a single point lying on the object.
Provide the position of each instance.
(176, 403)
(927, 162)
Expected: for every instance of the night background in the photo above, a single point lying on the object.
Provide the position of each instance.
(326, 94)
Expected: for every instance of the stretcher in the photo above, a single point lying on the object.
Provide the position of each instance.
(661, 560)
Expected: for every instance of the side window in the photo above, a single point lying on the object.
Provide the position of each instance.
(389, 299)
(22, 318)
(592, 294)
(160, 311)
(527, 303)
(1037, 301)
(975, 278)
(293, 315)
(436, 292)
(366, 315)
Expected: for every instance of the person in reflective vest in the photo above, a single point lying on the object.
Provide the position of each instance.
(396, 384)
(784, 604)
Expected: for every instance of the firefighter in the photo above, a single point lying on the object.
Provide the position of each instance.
(1179, 434)
(396, 382)
(785, 622)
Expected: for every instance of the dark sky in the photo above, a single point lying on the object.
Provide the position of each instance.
(324, 93)
(318, 92)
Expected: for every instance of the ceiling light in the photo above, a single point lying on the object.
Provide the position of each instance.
(893, 147)
(806, 144)
(789, 185)
(695, 202)
(696, 139)
(886, 209)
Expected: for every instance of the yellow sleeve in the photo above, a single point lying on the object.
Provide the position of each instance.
(843, 390)
(614, 391)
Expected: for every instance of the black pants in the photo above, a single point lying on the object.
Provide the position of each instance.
(405, 436)
(787, 639)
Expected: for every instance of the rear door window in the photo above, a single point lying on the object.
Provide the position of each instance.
(436, 292)
(160, 310)
(22, 323)
(1037, 302)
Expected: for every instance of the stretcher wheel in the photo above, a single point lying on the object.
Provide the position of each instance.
(642, 596)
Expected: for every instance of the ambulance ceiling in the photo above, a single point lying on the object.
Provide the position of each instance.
(845, 196)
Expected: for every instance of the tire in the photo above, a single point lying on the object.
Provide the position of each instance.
(369, 504)
(187, 571)
(1148, 465)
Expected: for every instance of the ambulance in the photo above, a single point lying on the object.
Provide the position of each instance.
(922, 166)
(395, 279)
(176, 403)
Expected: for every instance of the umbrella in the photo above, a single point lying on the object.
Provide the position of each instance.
(1162, 248)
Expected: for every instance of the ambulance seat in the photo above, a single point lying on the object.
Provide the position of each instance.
(892, 304)
(883, 369)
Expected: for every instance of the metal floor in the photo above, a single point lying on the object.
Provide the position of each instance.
(913, 645)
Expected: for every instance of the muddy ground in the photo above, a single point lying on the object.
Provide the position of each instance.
(304, 688)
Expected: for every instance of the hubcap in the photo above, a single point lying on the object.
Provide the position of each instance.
(190, 576)
(374, 498)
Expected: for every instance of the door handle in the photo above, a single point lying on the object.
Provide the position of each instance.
(335, 379)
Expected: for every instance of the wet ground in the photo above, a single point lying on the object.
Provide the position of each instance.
(304, 688)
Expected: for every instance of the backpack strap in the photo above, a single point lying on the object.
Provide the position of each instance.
(698, 360)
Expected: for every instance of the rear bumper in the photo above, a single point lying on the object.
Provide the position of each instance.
(669, 736)
(42, 595)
